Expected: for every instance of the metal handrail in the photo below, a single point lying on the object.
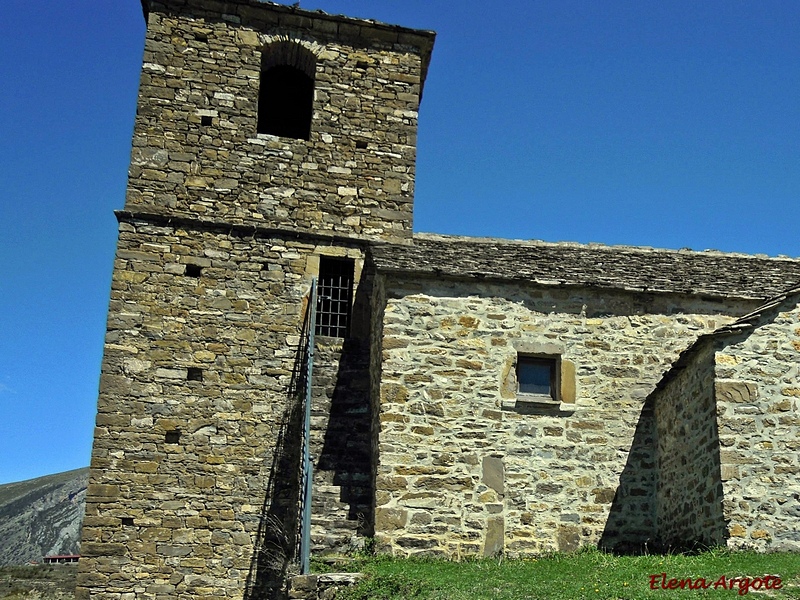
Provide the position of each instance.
(308, 468)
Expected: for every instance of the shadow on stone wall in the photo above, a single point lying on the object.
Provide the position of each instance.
(669, 497)
(277, 535)
(630, 528)
(345, 456)
(341, 408)
(277, 538)
(689, 493)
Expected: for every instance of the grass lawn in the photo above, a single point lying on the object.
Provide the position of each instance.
(587, 574)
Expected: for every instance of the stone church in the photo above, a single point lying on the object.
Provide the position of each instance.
(468, 396)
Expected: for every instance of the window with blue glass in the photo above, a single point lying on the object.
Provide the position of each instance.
(537, 377)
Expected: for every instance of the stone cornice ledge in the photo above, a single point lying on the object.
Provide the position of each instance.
(241, 230)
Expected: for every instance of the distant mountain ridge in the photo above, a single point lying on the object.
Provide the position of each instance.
(42, 516)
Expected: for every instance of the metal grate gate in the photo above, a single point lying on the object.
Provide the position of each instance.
(334, 297)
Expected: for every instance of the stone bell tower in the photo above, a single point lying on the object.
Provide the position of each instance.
(263, 115)
(271, 145)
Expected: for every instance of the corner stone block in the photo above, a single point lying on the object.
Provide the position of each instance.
(114, 384)
(729, 472)
(102, 549)
(493, 473)
(101, 490)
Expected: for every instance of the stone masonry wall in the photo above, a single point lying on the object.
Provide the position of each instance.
(757, 396)
(461, 475)
(689, 487)
(354, 176)
(195, 399)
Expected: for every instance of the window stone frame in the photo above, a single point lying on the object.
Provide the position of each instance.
(564, 387)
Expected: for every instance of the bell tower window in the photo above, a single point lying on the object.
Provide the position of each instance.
(286, 90)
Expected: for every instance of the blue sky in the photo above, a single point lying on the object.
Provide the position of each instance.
(665, 123)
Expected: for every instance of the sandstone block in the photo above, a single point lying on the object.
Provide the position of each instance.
(169, 550)
(102, 491)
(493, 473)
(389, 519)
(391, 484)
(736, 530)
(568, 382)
(603, 495)
(495, 536)
(736, 391)
(90, 549)
(394, 392)
(568, 538)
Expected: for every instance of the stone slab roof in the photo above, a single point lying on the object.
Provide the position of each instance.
(763, 314)
(708, 273)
